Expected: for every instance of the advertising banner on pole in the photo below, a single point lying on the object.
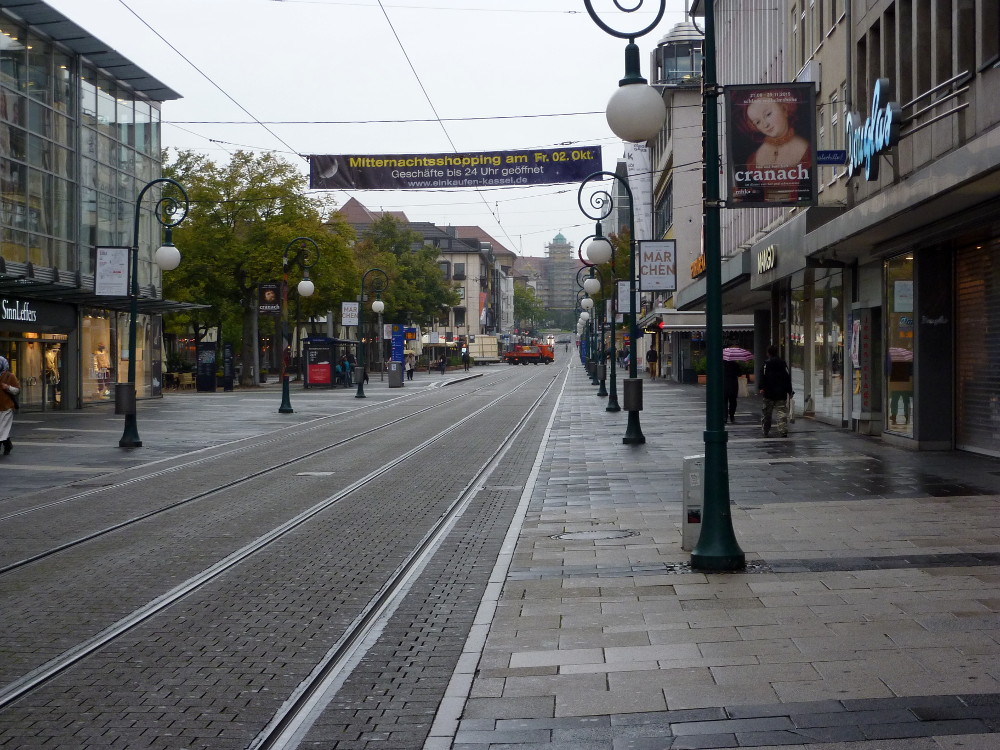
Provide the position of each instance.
(111, 278)
(269, 298)
(640, 181)
(658, 266)
(428, 171)
(772, 144)
(349, 313)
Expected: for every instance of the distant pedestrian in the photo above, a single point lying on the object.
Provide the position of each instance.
(465, 359)
(443, 363)
(411, 363)
(651, 360)
(775, 387)
(9, 388)
(731, 386)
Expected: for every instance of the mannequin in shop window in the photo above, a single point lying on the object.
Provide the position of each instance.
(102, 370)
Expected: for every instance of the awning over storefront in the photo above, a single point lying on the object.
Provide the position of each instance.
(670, 320)
(31, 282)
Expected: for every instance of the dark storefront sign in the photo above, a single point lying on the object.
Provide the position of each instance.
(428, 171)
(36, 315)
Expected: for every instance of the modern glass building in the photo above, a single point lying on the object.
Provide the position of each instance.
(79, 139)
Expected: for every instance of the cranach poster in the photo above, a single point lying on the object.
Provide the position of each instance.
(772, 144)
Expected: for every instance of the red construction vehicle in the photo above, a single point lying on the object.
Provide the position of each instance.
(523, 354)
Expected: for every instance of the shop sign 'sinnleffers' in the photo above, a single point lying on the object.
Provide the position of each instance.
(19, 311)
(428, 171)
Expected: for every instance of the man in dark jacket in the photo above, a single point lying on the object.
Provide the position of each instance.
(775, 387)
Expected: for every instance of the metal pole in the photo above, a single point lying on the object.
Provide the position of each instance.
(130, 434)
(286, 403)
(717, 548)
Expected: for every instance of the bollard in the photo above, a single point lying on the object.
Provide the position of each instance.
(693, 500)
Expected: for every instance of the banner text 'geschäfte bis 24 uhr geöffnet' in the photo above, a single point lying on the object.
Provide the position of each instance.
(473, 170)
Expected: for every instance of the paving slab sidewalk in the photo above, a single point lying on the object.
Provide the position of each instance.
(868, 617)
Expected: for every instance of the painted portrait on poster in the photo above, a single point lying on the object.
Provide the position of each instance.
(772, 144)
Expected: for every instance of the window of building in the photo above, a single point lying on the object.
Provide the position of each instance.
(459, 272)
(445, 267)
(459, 317)
(989, 32)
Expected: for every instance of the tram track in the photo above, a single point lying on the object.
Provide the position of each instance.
(296, 431)
(44, 673)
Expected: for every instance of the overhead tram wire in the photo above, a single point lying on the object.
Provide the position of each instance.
(437, 116)
(207, 77)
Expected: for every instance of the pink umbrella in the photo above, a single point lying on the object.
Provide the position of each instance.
(736, 354)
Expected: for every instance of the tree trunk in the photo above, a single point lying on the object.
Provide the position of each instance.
(248, 351)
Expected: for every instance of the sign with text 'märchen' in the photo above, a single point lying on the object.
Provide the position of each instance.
(658, 265)
(426, 171)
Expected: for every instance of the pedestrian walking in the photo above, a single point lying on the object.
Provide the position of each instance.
(9, 388)
(651, 360)
(465, 359)
(731, 372)
(443, 363)
(411, 363)
(775, 387)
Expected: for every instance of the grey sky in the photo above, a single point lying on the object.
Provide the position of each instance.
(339, 65)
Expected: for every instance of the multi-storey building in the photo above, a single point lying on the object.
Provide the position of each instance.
(883, 294)
(79, 139)
(476, 264)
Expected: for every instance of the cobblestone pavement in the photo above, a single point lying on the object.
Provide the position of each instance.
(867, 617)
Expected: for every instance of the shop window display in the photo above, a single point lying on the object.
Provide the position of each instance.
(899, 344)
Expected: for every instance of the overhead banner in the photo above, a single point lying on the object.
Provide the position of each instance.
(772, 144)
(482, 169)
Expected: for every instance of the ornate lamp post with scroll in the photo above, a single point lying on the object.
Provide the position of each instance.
(306, 258)
(378, 286)
(599, 252)
(169, 212)
(636, 113)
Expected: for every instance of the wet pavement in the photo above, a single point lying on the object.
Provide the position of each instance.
(868, 616)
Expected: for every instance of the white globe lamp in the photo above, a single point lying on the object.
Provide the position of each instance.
(167, 256)
(599, 251)
(591, 286)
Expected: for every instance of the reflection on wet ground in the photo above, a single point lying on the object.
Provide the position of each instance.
(849, 467)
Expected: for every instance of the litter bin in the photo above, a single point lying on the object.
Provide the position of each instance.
(124, 398)
(395, 374)
(694, 498)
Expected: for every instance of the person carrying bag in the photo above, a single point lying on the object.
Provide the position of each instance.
(9, 388)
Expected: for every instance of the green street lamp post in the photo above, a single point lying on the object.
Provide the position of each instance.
(717, 548)
(378, 286)
(603, 202)
(599, 252)
(306, 258)
(169, 212)
(636, 113)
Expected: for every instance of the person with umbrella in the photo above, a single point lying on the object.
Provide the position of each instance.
(731, 371)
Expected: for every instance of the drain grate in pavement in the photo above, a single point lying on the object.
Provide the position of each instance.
(596, 534)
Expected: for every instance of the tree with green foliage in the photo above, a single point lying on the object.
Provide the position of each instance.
(243, 215)
(528, 308)
(417, 289)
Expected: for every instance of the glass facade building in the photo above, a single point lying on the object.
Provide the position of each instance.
(79, 138)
